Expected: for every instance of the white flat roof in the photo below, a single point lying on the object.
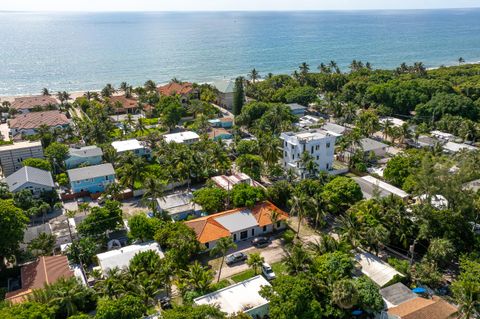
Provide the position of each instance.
(390, 188)
(456, 147)
(393, 120)
(242, 296)
(127, 145)
(237, 221)
(376, 269)
(121, 257)
(181, 137)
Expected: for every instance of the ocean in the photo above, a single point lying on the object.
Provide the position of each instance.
(84, 51)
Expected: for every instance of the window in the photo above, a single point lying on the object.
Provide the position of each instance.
(106, 178)
(318, 157)
(264, 228)
(253, 232)
(207, 245)
(234, 237)
(293, 156)
(328, 166)
(279, 224)
(286, 154)
(244, 234)
(328, 145)
(311, 150)
(317, 147)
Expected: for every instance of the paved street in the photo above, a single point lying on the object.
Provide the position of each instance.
(272, 254)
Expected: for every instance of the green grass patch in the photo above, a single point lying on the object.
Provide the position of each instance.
(220, 285)
(279, 268)
(247, 274)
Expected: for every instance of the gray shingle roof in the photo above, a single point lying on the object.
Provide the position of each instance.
(296, 106)
(397, 294)
(78, 174)
(225, 86)
(29, 174)
(369, 145)
(86, 151)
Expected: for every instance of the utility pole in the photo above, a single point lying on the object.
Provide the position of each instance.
(412, 251)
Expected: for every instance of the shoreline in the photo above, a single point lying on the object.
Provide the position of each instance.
(80, 93)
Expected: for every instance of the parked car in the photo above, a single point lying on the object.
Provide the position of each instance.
(268, 272)
(261, 242)
(102, 199)
(165, 303)
(235, 258)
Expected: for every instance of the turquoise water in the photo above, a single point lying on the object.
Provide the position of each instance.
(64, 51)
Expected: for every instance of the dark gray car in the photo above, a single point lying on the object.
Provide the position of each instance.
(235, 258)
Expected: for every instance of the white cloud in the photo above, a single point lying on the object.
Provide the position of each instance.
(213, 5)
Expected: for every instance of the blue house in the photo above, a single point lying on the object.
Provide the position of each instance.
(219, 134)
(224, 122)
(93, 179)
(89, 155)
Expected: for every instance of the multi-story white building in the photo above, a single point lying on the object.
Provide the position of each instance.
(319, 144)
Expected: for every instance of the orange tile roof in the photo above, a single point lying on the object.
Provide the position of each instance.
(30, 102)
(34, 120)
(46, 270)
(208, 229)
(216, 131)
(173, 88)
(422, 308)
(126, 102)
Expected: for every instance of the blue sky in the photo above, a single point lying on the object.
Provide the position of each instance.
(227, 5)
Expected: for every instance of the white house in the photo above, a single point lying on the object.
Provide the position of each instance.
(179, 205)
(372, 186)
(120, 258)
(318, 143)
(131, 145)
(187, 137)
(241, 297)
(31, 178)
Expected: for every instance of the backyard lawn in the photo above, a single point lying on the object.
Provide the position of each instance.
(278, 268)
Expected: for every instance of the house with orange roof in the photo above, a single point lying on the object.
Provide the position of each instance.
(35, 275)
(423, 308)
(123, 104)
(28, 103)
(239, 223)
(183, 89)
(29, 123)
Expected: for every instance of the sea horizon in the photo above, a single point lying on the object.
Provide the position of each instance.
(79, 51)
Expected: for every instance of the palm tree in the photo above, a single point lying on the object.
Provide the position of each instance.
(304, 68)
(253, 75)
(324, 68)
(88, 95)
(299, 206)
(222, 246)
(255, 261)
(108, 90)
(349, 228)
(333, 66)
(197, 277)
(45, 92)
(344, 293)
(296, 260)
(150, 86)
(274, 218)
(387, 126)
(461, 60)
(319, 205)
(308, 164)
(323, 245)
(124, 86)
(269, 146)
(154, 189)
